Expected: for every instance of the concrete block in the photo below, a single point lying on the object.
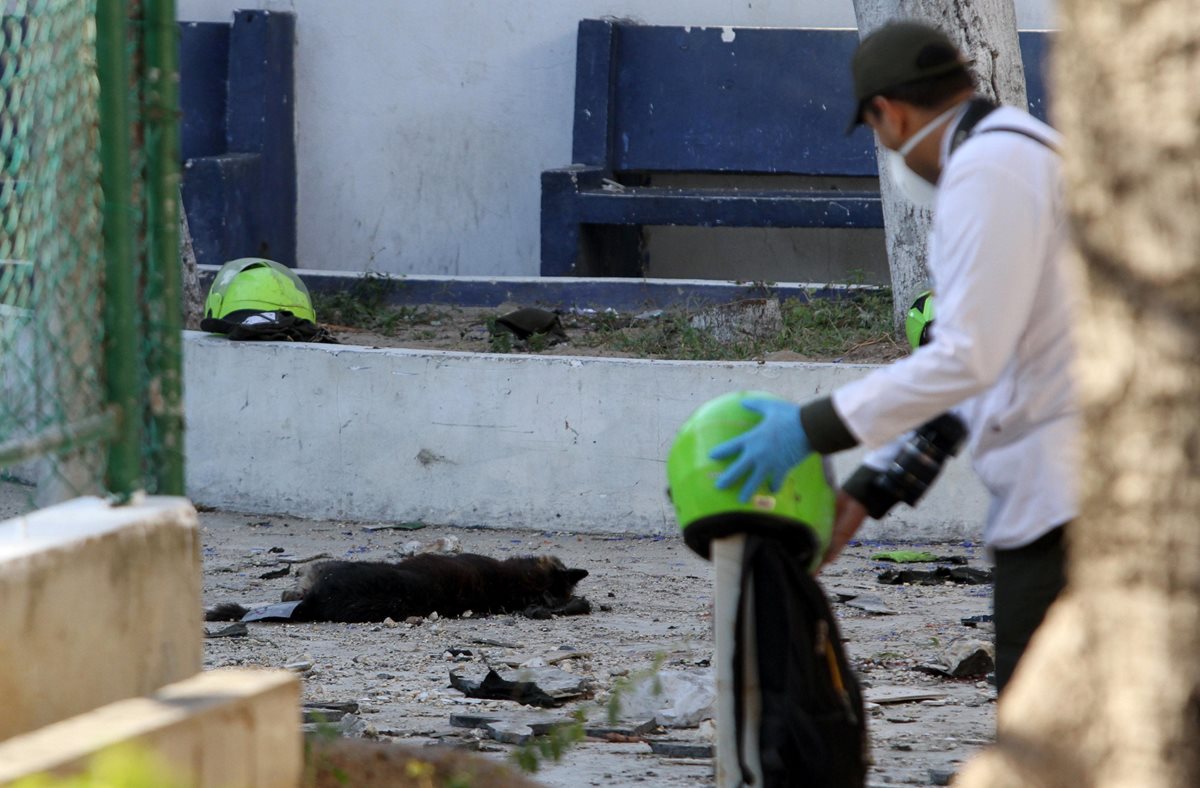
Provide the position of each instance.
(576, 444)
(97, 603)
(218, 729)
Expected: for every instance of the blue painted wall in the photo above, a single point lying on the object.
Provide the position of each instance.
(237, 95)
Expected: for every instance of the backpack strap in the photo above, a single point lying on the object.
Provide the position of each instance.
(978, 109)
(1024, 133)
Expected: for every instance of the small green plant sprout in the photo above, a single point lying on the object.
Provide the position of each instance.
(122, 766)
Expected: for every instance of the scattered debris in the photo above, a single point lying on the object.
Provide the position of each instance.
(918, 557)
(676, 749)
(237, 630)
(509, 732)
(410, 526)
(291, 559)
(674, 698)
(966, 575)
(496, 643)
(870, 604)
(983, 623)
(538, 724)
(962, 658)
(633, 732)
(546, 687)
(280, 611)
(528, 321)
(890, 696)
(443, 545)
(575, 606)
(283, 571)
(318, 711)
(539, 661)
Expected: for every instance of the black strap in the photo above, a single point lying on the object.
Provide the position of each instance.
(977, 110)
(1024, 133)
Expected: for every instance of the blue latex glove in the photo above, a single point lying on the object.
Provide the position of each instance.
(765, 452)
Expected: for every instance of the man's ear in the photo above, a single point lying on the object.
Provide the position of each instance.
(888, 118)
(575, 575)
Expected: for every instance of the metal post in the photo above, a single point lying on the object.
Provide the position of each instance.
(164, 279)
(120, 297)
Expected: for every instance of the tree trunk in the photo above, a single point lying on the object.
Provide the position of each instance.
(986, 32)
(1109, 694)
(193, 299)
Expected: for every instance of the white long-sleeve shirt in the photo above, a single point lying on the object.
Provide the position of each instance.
(1001, 352)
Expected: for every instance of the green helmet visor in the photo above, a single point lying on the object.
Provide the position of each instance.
(260, 285)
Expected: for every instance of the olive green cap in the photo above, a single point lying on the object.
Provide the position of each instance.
(896, 54)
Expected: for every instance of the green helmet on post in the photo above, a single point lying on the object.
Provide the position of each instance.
(800, 515)
(259, 285)
(920, 320)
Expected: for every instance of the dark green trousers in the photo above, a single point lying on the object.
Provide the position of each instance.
(1027, 580)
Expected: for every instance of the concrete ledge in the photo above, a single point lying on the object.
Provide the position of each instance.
(97, 604)
(543, 442)
(220, 729)
(556, 292)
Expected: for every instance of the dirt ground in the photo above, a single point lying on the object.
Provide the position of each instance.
(649, 334)
(651, 605)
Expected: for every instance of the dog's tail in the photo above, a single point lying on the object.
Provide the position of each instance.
(226, 611)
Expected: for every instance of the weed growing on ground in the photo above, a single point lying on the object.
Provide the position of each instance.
(816, 328)
(855, 325)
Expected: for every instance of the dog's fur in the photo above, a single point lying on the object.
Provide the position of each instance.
(450, 585)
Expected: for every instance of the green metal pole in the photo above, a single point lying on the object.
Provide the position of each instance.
(120, 284)
(161, 124)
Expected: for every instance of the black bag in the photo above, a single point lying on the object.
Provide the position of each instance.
(276, 326)
(813, 729)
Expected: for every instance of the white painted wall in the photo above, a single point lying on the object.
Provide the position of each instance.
(541, 442)
(423, 127)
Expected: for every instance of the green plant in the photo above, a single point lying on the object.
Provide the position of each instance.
(561, 738)
(553, 745)
(122, 766)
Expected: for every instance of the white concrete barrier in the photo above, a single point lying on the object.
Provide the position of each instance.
(97, 604)
(221, 729)
(563, 443)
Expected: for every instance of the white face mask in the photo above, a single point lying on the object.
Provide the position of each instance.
(916, 189)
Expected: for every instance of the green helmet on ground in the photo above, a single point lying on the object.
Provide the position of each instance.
(920, 320)
(800, 515)
(256, 284)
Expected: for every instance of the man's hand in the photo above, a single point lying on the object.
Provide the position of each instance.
(848, 517)
(765, 452)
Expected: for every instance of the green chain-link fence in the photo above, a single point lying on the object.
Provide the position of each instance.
(89, 271)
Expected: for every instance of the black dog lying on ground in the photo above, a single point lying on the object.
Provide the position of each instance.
(450, 585)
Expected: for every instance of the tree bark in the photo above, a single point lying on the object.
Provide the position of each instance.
(1109, 693)
(193, 299)
(986, 32)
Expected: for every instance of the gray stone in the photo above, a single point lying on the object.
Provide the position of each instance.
(870, 604)
(675, 749)
(509, 732)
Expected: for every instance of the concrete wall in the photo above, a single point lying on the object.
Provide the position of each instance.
(561, 443)
(222, 729)
(97, 604)
(422, 127)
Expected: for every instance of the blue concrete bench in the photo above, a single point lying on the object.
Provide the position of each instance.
(758, 102)
(237, 98)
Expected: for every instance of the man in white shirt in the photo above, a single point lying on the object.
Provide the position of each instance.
(1001, 351)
